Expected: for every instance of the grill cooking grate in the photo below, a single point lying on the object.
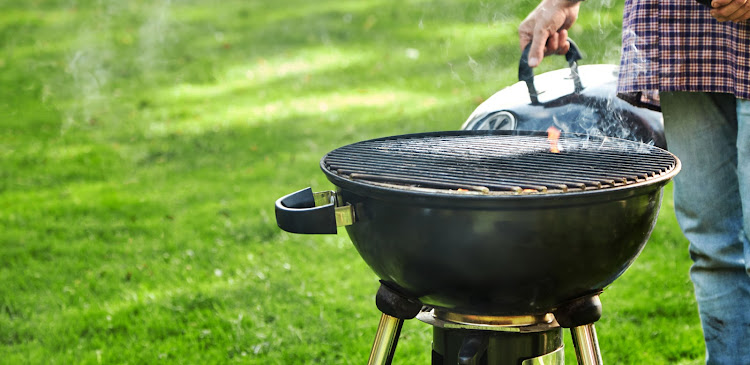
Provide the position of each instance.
(500, 163)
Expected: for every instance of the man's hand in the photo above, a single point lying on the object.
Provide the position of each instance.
(730, 10)
(547, 28)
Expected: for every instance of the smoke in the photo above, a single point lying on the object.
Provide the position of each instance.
(153, 34)
(86, 65)
(90, 81)
(101, 60)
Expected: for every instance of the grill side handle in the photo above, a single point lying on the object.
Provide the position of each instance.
(312, 213)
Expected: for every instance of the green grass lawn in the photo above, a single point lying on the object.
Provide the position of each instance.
(143, 144)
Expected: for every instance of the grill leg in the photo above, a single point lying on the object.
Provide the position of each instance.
(395, 308)
(586, 344)
(385, 340)
(579, 315)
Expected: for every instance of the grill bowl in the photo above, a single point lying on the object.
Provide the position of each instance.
(500, 252)
(502, 260)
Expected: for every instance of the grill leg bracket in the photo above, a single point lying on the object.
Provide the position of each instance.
(396, 308)
(579, 315)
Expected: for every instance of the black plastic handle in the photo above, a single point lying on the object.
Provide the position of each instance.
(297, 213)
(526, 73)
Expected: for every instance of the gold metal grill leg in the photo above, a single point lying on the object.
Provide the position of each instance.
(385, 340)
(586, 344)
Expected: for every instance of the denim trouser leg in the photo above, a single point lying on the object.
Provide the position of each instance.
(710, 133)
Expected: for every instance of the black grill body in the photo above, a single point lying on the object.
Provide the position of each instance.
(491, 222)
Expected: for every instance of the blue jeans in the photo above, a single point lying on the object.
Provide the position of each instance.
(710, 134)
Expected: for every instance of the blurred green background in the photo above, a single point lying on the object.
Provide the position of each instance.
(143, 144)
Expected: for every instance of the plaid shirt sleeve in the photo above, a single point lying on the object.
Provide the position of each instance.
(675, 45)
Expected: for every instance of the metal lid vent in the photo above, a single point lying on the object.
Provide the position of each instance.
(499, 163)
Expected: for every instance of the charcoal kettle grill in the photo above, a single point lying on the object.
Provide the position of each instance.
(489, 236)
(499, 238)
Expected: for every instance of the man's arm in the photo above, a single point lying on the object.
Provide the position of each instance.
(546, 28)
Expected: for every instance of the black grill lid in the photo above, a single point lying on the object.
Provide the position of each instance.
(499, 163)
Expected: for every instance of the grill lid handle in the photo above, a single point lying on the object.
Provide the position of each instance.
(312, 213)
(526, 73)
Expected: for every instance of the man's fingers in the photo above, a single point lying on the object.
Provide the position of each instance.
(524, 40)
(545, 29)
(740, 15)
(563, 44)
(553, 43)
(730, 11)
(720, 3)
(545, 44)
(536, 53)
(557, 43)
